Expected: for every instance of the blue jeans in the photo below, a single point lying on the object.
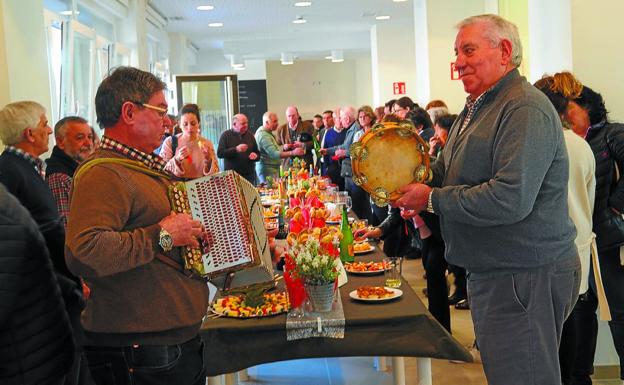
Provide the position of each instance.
(518, 318)
(148, 365)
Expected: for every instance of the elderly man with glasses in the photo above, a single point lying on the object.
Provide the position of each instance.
(142, 320)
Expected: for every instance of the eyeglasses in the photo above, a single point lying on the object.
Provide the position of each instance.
(161, 111)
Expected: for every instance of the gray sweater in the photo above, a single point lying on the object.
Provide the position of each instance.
(502, 184)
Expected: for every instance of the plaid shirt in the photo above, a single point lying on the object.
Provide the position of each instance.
(472, 105)
(37, 163)
(151, 161)
(60, 184)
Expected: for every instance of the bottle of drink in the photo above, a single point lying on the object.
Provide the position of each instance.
(346, 243)
(282, 230)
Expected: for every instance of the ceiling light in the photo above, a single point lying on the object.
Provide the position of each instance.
(69, 13)
(287, 58)
(205, 7)
(215, 25)
(383, 17)
(239, 68)
(303, 4)
(337, 56)
(300, 20)
(399, 1)
(328, 57)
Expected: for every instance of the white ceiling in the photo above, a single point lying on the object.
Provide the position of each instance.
(262, 29)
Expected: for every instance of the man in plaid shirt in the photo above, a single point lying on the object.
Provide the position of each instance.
(74, 143)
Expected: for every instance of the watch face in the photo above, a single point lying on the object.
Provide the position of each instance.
(166, 242)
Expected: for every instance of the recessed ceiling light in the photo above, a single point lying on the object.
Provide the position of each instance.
(239, 68)
(215, 25)
(300, 20)
(303, 4)
(399, 1)
(205, 7)
(383, 17)
(69, 13)
(328, 57)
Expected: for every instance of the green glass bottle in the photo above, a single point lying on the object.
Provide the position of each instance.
(346, 243)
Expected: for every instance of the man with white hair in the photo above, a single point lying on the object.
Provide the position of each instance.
(25, 131)
(74, 143)
(500, 190)
(270, 151)
(296, 133)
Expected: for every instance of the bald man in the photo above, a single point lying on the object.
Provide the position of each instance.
(295, 133)
(238, 149)
(270, 151)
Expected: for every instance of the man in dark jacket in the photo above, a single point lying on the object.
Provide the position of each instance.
(37, 344)
(74, 143)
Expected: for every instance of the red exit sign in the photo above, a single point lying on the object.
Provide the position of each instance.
(398, 88)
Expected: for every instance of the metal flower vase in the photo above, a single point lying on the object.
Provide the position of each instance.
(321, 296)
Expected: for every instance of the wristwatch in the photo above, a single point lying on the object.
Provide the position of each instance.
(429, 208)
(165, 240)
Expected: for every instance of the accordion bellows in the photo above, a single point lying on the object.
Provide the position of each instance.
(229, 207)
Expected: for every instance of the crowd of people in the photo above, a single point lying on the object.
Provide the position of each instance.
(524, 180)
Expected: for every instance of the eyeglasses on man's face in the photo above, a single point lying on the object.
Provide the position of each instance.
(162, 112)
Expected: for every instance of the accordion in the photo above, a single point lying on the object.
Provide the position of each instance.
(236, 252)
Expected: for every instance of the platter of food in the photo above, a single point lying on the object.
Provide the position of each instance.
(362, 248)
(375, 293)
(234, 306)
(337, 220)
(365, 268)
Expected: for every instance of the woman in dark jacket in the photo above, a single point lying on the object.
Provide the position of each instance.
(36, 341)
(588, 116)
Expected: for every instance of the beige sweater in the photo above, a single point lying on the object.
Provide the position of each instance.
(112, 242)
(581, 194)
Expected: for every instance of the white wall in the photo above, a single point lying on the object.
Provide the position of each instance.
(550, 37)
(314, 85)
(596, 55)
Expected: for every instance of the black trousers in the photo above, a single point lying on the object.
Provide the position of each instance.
(181, 364)
(578, 341)
(437, 290)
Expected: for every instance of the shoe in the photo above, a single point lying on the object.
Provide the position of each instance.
(462, 305)
(474, 352)
(455, 298)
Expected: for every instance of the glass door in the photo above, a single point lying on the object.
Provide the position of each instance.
(217, 98)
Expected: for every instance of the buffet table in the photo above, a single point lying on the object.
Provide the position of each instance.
(399, 328)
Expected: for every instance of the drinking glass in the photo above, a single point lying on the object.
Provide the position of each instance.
(348, 203)
(392, 273)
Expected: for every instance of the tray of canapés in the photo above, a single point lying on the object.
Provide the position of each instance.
(234, 306)
(365, 268)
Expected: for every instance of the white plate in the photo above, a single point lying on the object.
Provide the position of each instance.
(269, 202)
(365, 272)
(397, 294)
(372, 248)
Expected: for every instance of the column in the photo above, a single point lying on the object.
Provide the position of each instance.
(392, 60)
(23, 53)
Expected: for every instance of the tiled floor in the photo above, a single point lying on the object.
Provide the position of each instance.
(361, 371)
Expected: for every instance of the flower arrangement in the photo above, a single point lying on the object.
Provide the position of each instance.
(314, 264)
